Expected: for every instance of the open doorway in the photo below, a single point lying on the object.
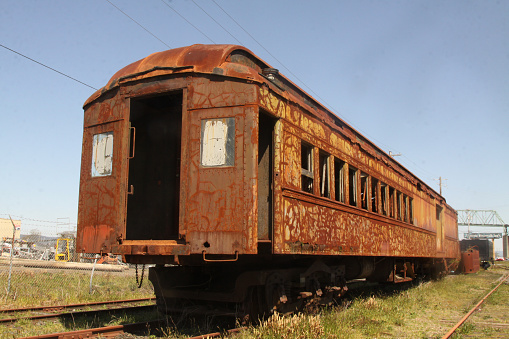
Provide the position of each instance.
(153, 202)
(265, 176)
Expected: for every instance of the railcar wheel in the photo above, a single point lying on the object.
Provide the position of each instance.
(275, 294)
(255, 307)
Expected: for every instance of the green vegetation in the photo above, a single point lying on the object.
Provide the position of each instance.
(428, 310)
(425, 311)
(46, 287)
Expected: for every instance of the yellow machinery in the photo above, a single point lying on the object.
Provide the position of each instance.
(62, 250)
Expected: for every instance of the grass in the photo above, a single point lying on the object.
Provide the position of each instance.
(428, 310)
(42, 287)
(45, 287)
(425, 311)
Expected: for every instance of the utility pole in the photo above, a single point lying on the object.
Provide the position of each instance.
(440, 184)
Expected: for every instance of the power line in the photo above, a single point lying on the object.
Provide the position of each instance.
(266, 50)
(31, 219)
(254, 39)
(54, 70)
(136, 22)
(204, 11)
(293, 74)
(173, 9)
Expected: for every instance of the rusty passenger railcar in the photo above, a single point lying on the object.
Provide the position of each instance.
(241, 187)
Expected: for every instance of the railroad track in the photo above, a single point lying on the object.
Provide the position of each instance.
(21, 322)
(83, 309)
(476, 307)
(161, 324)
(75, 318)
(103, 332)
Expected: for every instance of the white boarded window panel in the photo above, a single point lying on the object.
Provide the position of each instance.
(217, 146)
(102, 154)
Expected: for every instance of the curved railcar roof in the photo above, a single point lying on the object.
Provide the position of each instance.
(196, 58)
(200, 58)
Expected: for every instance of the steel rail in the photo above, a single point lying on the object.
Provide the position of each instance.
(60, 307)
(455, 327)
(108, 331)
(75, 313)
(218, 334)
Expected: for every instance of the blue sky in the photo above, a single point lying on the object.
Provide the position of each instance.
(427, 79)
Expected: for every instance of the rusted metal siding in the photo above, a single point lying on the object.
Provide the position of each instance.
(214, 215)
(218, 205)
(307, 224)
(317, 227)
(100, 211)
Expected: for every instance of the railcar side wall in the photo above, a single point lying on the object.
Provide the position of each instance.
(311, 223)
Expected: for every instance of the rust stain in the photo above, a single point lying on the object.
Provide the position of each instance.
(218, 206)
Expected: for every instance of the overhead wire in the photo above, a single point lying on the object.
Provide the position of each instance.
(266, 50)
(259, 43)
(136, 22)
(217, 22)
(281, 63)
(189, 22)
(35, 220)
(296, 77)
(48, 67)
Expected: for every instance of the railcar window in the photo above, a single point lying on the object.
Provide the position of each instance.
(324, 174)
(383, 196)
(339, 180)
(374, 195)
(391, 202)
(364, 190)
(405, 208)
(398, 205)
(352, 186)
(217, 142)
(307, 167)
(411, 210)
(102, 154)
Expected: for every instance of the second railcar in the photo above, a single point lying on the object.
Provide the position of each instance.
(242, 188)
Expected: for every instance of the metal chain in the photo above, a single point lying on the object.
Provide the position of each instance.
(139, 282)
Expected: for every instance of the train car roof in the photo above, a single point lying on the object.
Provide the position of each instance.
(216, 59)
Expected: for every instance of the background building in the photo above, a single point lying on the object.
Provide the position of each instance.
(6, 229)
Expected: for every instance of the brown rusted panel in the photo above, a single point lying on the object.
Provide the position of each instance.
(470, 261)
(218, 205)
(106, 110)
(205, 93)
(290, 163)
(153, 87)
(102, 198)
(250, 189)
(312, 227)
(214, 213)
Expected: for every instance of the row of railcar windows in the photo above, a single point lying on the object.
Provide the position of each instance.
(375, 195)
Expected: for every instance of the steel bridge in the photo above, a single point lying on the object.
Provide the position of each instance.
(484, 218)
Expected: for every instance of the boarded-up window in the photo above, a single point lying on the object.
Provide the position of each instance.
(218, 142)
(102, 154)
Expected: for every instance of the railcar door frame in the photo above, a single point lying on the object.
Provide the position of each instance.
(266, 175)
(157, 181)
